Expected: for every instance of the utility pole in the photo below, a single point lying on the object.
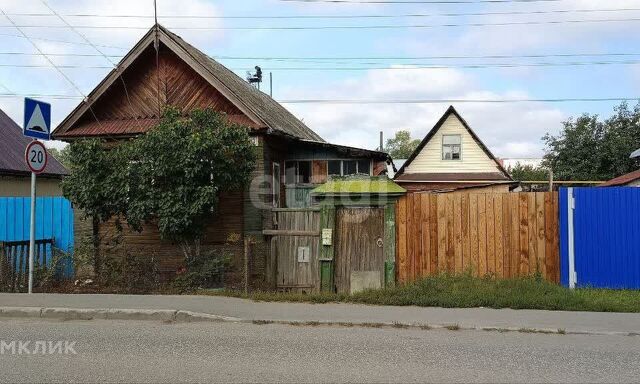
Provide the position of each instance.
(271, 84)
(381, 141)
(550, 180)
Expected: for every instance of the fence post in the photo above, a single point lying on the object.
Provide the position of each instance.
(571, 205)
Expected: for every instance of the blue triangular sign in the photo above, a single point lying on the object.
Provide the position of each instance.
(37, 119)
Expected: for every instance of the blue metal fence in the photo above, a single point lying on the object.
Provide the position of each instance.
(54, 220)
(606, 237)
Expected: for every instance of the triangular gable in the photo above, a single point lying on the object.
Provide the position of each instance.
(451, 111)
(258, 109)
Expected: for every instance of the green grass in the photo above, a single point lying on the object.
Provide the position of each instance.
(463, 291)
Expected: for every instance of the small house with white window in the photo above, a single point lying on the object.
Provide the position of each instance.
(452, 157)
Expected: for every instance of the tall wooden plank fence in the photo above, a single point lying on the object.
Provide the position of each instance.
(500, 234)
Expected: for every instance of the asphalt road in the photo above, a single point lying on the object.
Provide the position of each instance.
(140, 351)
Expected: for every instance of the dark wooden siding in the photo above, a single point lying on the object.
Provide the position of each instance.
(223, 234)
(136, 101)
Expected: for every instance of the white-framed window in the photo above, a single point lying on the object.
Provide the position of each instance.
(451, 147)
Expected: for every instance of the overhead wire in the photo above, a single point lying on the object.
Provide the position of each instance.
(406, 66)
(421, 1)
(391, 101)
(347, 27)
(367, 16)
(114, 65)
(59, 41)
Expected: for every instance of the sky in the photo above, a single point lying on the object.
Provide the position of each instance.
(373, 61)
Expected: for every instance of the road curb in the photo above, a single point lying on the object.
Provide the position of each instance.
(182, 316)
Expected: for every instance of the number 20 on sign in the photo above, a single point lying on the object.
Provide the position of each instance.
(36, 156)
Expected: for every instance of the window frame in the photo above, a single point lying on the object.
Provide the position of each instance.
(442, 147)
(275, 188)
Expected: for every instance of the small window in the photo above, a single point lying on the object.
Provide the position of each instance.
(290, 172)
(451, 147)
(334, 168)
(349, 167)
(304, 172)
(364, 167)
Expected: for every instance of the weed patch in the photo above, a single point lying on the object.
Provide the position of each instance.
(465, 291)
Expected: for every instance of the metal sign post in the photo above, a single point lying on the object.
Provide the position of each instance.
(32, 230)
(37, 124)
(36, 157)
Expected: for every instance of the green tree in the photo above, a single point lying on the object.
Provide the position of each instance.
(95, 183)
(590, 149)
(62, 155)
(527, 172)
(171, 176)
(179, 170)
(401, 146)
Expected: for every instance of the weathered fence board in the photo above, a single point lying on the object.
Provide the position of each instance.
(14, 262)
(498, 234)
(298, 232)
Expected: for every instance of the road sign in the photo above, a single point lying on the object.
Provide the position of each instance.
(37, 119)
(36, 156)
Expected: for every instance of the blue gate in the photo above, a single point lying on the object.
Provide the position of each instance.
(600, 237)
(54, 220)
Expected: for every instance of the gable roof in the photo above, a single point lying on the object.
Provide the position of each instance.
(503, 174)
(261, 109)
(12, 147)
(622, 180)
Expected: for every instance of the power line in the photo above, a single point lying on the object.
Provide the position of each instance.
(55, 66)
(390, 101)
(324, 59)
(43, 55)
(40, 95)
(58, 41)
(78, 33)
(329, 27)
(453, 101)
(404, 66)
(368, 16)
(421, 1)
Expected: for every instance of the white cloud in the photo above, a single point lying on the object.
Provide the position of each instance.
(515, 38)
(509, 129)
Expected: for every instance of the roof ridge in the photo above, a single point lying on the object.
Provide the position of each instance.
(452, 111)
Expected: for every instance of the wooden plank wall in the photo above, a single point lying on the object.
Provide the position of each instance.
(498, 234)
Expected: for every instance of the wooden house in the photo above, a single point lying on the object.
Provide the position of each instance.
(15, 176)
(452, 157)
(292, 158)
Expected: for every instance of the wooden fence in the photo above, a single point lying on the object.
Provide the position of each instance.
(14, 262)
(499, 234)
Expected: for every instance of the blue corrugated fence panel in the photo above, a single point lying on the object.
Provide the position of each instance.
(54, 219)
(606, 237)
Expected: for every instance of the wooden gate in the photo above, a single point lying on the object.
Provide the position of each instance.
(295, 246)
(359, 259)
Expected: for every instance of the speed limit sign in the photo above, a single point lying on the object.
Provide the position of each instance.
(36, 156)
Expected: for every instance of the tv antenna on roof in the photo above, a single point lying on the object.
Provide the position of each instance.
(255, 78)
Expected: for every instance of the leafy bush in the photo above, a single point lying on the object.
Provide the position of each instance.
(205, 271)
(129, 273)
